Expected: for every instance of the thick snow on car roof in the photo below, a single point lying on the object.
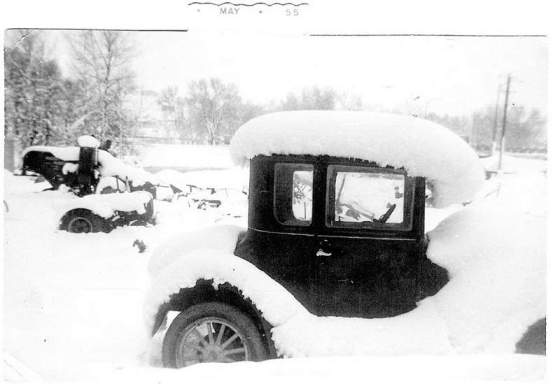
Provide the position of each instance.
(421, 147)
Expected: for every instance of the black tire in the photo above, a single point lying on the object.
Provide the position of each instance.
(83, 221)
(199, 315)
(534, 339)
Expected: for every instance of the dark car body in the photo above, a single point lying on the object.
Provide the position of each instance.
(335, 268)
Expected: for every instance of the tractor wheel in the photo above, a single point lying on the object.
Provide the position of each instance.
(83, 221)
(211, 332)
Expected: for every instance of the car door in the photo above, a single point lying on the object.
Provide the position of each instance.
(366, 254)
(281, 235)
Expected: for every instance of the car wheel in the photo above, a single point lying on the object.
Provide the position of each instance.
(83, 221)
(534, 339)
(211, 332)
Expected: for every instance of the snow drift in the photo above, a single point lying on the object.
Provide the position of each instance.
(495, 257)
(66, 293)
(423, 148)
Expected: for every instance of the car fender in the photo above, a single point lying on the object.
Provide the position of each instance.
(273, 302)
(221, 238)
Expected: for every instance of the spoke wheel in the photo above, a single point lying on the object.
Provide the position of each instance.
(80, 225)
(212, 332)
(211, 340)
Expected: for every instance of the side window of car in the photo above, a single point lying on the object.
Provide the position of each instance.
(368, 198)
(293, 193)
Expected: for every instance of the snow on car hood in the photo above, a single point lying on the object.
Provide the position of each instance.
(423, 148)
(496, 258)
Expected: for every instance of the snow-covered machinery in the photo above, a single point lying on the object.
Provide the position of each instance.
(335, 232)
(110, 192)
(208, 197)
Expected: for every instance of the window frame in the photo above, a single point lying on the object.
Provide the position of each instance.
(294, 167)
(408, 208)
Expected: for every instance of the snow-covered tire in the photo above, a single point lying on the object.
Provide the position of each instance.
(83, 221)
(192, 328)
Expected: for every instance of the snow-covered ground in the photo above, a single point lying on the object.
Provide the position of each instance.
(183, 157)
(72, 308)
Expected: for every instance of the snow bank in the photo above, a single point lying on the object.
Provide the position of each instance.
(14, 371)
(185, 156)
(72, 301)
(105, 205)
(514, 164)
(495, 255)
(483, 369)
(421, 331)
(496, 258)
(66, 293)
(423, 148)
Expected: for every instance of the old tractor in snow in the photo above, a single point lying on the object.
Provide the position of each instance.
(109, 192)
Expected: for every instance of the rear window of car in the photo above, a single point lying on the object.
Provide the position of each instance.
(293, 193)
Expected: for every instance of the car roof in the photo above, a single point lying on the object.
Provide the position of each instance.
(421, 147)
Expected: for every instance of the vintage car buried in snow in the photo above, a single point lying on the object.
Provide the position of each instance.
(109, 192)
(335, 228)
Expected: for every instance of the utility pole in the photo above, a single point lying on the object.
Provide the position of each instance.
(495, 127)
(473, 140)
(504, 122)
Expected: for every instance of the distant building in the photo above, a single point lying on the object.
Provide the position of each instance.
(153, 125)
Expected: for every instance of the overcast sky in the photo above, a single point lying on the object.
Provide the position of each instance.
(441, 74)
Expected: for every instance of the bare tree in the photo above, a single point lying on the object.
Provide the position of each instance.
(349, 101)
(310, 98)
(174, 109)
(102, 63)
(214, 107)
